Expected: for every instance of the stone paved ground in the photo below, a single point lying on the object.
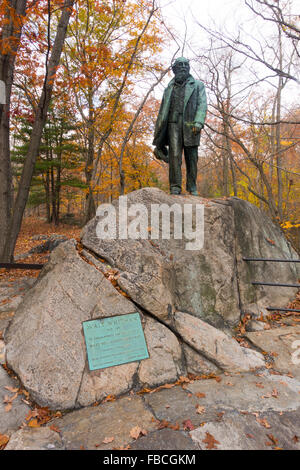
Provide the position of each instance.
(245, 411)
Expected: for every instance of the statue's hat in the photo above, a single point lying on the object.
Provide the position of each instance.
(180, 59)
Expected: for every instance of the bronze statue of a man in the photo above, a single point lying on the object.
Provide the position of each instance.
(180, 120)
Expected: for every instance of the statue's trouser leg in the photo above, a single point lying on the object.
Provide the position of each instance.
(175, 155)
(191, 160)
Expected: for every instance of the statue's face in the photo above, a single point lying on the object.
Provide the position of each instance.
(181, 70)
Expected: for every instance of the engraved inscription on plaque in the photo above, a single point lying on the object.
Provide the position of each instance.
(114, 341)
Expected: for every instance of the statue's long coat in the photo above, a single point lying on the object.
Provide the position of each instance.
(194, 111)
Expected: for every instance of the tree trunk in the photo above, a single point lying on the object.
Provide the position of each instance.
(9, 43)
(35, 139)
(90, 209)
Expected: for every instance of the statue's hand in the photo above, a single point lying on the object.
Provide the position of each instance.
(197, 128)
(161, 154)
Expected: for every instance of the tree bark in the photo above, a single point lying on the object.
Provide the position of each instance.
(9, 43)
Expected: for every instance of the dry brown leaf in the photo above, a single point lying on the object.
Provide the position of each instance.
(175, 427)
(11, 389)
(109, 398)
(210, 441)
(263, 422)
(200, 395)
(163, 424)
(3, 440)
(54, 428)
(200, 409)
(273, 439)
(107, 440)
(8, 407)
(34, 423)
(259, 385)
(137, 431)
(188, 425)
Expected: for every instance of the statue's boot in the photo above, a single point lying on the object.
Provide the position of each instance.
(175, 191)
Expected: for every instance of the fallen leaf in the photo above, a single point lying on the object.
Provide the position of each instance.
(175, 427)
(54, 428)
(8, 407)
(3, 440)
(273, 439)
(137, 431)
(122, 448)
(31, 414)
(188, 425)
(163, 424)
(250, 436)
(274, 393)
(109, 398)
(200, 409)
(263, 422)
(11, 389)
(259, 385)
(210, 441)
(107, 440)
(200, 395)
(295, 439)
(34, 423)
(9, 401)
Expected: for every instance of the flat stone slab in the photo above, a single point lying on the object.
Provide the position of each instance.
(10, 420)
(248, 392)
(176, 406)
(249, 432)
(280, 343)
(165, 439)
(35, 439)
(106, 426)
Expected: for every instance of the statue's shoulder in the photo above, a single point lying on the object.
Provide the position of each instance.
(199, 83)
(195, 82)
(170, 84)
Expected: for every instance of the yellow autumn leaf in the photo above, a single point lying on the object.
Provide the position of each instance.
(3, 440)
(33, 423)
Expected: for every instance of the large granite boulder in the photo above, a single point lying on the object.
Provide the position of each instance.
(213, 283)
(188, 302)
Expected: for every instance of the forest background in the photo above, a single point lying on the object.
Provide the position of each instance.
(80, 88)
